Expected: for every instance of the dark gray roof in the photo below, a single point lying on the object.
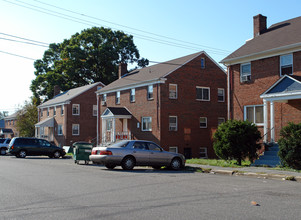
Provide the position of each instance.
(276, 36)
(119, 111)
(68, 95)
(152, 73)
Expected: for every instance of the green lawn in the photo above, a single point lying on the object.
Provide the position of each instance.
(216, 162)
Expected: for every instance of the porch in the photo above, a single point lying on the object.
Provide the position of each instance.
(45, 129)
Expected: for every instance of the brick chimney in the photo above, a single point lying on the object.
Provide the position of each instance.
(122, 69)
(56, 90)
(260, 24)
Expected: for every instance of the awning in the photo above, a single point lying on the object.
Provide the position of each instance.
(49, 122)
(6, 131)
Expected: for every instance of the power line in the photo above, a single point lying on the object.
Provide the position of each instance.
(17, 55)
(24, 42)
(78, 20)
(39, 42)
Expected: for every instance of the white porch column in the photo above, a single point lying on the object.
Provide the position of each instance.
(272, 121)
(114, 130)
(103, 130)
(265, 120)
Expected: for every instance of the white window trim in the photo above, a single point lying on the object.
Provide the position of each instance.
(176, 96)
(148, 92)
(201, 87)
(62, 109)
(176, 124)
(104, 97)
(54, 111)
(48, 112)
(291, 63)
(142, 124)
(206, 122)
(59, 134)
(117, 100)
(223, 94)
(173, 147)
(206, 152)
(133, 94)
(245, 114)
(95, 110)
(246, 75)
(78, 130)
(78, 109)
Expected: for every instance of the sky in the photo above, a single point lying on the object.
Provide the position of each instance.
(162, 30)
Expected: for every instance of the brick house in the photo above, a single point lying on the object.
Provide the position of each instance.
(177, 104)
(264, 77)
(70, 116)
(10, 126)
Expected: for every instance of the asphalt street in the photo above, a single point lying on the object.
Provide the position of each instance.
(43, 188)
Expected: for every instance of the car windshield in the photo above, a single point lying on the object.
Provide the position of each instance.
(120, 144)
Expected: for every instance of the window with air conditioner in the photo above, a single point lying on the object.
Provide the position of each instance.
(173, 91)
(173, 123)
(245, 72)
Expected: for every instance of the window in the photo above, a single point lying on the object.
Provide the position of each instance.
(47, 112)
(75, 109)
(146, 124)
(42, 112)
(221, 95)
(286, 64)
(132, 95)
(254, 114)
(203, 93)
(203, 122)
(94, 110)
(245, 72)
(173, 149)
(203, 152)
(173, 90)
(104, 97)
(220, 120)
(75, 129)
(62, 110)
(98, 87)
(154, 147)
(117, 97)
(54, 111)
(59, 129)
(150, 94)
(173, 123)
(202, 63)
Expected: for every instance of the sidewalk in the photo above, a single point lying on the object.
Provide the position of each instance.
(257, 172)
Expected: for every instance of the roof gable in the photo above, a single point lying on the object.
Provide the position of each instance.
(278, 36)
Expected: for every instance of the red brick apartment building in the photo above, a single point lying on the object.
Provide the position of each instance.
(70, 116)
(264, 77)
(10, 130)
(177, 104)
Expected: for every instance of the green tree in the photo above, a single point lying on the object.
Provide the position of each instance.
(237, 140)
(26, 120)
(290, 145)
(91, 56)
(3, 114)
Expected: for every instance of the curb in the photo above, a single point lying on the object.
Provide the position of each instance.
(251, 174)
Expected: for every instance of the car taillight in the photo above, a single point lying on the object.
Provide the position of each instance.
(105, 152)
(94, 152)
(12, 147)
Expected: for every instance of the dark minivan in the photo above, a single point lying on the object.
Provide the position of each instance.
(22, 147)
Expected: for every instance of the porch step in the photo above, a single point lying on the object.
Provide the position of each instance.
(270, 157)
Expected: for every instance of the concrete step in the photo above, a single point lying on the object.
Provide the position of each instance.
(269, 157)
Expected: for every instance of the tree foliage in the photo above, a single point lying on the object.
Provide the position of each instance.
(237, 140)
(87, 57)
(26, 120)
(290, 146)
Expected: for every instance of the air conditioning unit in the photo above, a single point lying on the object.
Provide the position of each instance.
(103, 103)
(246, 78)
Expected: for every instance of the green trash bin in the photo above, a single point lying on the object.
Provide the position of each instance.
(82, 151)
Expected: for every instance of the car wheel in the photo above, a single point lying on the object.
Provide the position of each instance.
(128, 163)
(110, 166)
(3, 151)
(175, 164)
(22, 153)
(56, 154)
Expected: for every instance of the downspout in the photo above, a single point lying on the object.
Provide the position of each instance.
(97, 121)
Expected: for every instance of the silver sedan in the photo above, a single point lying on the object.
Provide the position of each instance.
(136, 152)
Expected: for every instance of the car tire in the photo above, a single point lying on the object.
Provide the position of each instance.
(110, 166)
(128, 163)
(176, 164)
(2, 151)
(22, 154)
(56, 154)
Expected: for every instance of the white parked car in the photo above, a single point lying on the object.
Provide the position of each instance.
(4, 142)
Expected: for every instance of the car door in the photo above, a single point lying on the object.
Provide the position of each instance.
(45, 148)
(141, 153)
(157, 155)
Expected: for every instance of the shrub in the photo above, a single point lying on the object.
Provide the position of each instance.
(290, 146)
(237, 140)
